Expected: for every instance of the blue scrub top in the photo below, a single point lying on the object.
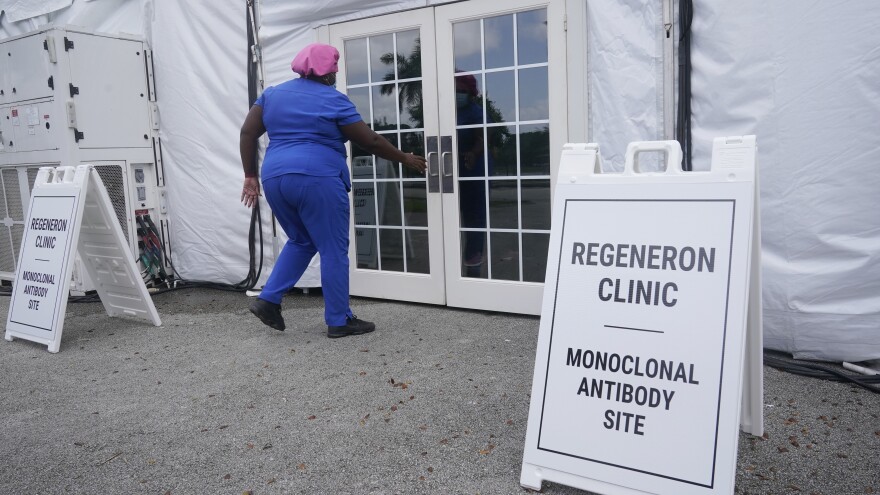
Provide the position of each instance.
(302, 118)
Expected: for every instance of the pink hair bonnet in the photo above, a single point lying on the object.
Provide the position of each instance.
(317, 58)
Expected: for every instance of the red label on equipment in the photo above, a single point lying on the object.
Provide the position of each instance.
(141, 212)
(15, 112)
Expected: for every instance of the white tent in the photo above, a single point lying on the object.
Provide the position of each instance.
(802, 77)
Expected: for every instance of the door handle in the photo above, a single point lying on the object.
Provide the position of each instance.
(433, 165)
(446, 159)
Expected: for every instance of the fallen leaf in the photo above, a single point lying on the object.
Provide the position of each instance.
(842, 455)
(430, 469)
(781, 450)
(393, 408)
(301, 467)
(509, 422)
(228, 476)
(249, 445)
(223, 427)
(312, 417)
(270, 481)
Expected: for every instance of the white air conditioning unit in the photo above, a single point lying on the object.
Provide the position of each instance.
(70, 96)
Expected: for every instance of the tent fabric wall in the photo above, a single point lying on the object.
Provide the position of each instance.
(201, 80)
(625, 71)
(802, 77)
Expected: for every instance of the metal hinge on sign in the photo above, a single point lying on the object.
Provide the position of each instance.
(51, 82)
(73, 90)
(77, 135)
(68, 44)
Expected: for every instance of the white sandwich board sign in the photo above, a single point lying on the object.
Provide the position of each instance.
(70, 213)
(639, 367)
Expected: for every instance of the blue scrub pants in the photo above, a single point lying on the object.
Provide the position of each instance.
(314, 213)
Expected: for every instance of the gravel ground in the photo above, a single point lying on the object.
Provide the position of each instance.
(435, 401)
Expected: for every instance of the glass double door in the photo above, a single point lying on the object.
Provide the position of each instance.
(468, 87)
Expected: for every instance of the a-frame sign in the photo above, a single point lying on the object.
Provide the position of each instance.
(70, 213)
(649, 350)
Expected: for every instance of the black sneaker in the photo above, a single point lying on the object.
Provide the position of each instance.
(353, 326)
(268, 313)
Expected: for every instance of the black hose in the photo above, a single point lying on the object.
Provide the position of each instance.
(683, 120)
(824, 371)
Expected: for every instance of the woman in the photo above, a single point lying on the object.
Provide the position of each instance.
(306, 180)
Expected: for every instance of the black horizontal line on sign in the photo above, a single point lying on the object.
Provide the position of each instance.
(636, 329)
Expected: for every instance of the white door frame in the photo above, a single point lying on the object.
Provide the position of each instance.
(426, 288)
(477, 293)
(446, 285)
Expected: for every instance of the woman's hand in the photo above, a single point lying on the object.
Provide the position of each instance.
(416, 162)
(250, 192)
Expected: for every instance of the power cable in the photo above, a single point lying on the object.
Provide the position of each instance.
(824, 371)
(683, 119)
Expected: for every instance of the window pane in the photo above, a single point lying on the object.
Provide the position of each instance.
(412, 142)
(505, 256)
(365, 243)
(534, 248)
(361, 99)
(389, 203)
(466, 45)
(531, 36)
(498, 33)
(472, 246)
(472, 203)
(534, 152)
(471, 152)
(356, 61)
(364, 203)
(503, 204)
(417, 260)
(415, 204)
(382, 58)
(500, 97)
(533, 95)
(409, 54)
(468, 104)
(391, 242)
(411, 113)
(536, 204)
(502, 150)
(384, 107)
(361, 164)
(386, 169)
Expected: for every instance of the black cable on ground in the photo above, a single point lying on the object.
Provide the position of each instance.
(824, 371)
